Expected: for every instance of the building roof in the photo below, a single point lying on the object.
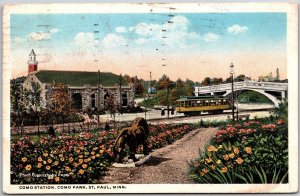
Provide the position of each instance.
(78, 78)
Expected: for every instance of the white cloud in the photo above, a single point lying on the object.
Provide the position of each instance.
(18, 40)
(113, 40)
(84, 39)
(130, 28)
(53, 30)
(236, 29)
(173, 32)
(39, 36)
(140, 41)
(121, 29)
(210, 37)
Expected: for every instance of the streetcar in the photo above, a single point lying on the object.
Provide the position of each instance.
(192, 106)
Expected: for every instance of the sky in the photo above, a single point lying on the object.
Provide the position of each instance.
(180, 45)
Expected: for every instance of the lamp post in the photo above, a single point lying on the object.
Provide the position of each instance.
(231, 74)
(98, 97)
(120, 83)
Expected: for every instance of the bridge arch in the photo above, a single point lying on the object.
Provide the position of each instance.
(269, 96)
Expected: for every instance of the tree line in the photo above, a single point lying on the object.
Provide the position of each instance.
(27, 106)
(168, 91)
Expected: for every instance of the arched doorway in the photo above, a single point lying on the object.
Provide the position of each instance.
(124, 99)
(93, 98)
(108, 100)
(77, 101)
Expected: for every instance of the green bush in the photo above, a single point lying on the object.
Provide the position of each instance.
(252, 152)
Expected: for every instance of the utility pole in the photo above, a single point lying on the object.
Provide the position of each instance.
(98, 105)
(237, 105)
(120, 83)
(232, 92)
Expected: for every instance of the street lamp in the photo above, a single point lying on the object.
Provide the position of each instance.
(231, 74)
(120, 83)
(98, 97)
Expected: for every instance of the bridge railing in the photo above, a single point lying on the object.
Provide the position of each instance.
(273, 86)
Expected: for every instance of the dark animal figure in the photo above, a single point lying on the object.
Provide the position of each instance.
(132, 137)
(51, 131)
(106, 127)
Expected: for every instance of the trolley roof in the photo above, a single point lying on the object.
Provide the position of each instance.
(200, 98)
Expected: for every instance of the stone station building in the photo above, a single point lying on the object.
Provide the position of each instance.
(84, 88)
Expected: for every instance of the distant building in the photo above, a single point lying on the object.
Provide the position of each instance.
(269, 77)
(82, 85)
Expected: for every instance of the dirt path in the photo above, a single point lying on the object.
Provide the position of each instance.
(167, 165)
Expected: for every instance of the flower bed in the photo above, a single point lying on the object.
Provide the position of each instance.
(79, 158)
(252, 152)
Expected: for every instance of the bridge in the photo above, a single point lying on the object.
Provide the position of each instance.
(275, 91)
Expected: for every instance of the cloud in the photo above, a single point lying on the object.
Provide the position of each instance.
(210, 37)
(40, 36)
(140, 41)
(237, 29)
(131, 29)
(18, 40)
(84, 40)
(121, 29)
(53, 31)
(112, 40)
(172, 32)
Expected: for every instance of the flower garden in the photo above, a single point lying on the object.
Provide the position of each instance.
(78, 158)
(246, 152)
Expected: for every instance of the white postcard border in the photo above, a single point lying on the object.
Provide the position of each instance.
(292, 54)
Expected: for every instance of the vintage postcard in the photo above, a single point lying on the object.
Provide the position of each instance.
(150, 98)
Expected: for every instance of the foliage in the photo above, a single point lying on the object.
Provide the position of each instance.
(163, 134)
(66, 159)
(211, 123)
(211, 81)
(238, 78)
(282, 110)
(253, 97)
(252, 152)
(163, 82)
(163, 97)
(150, 102)
(18, 103)
(111, 106)
(61, 103)
(78, 158)
(25, 103)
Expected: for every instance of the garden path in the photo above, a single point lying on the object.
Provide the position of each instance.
(167, 165)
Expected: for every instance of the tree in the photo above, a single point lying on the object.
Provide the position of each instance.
(227, 80)
(188, 87)
(128, 79)
(216, 81)
(179, 90)
(239, 78)
(18, 104)
(35, 102)
(139, 89)
(162, 96)
(206, 81)
(61, 103)
(163, 82)
(111, 107)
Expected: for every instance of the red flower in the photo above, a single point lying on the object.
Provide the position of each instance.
(280, 122)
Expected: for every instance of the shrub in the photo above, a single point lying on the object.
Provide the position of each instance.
(76, 158)
(251, 152)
